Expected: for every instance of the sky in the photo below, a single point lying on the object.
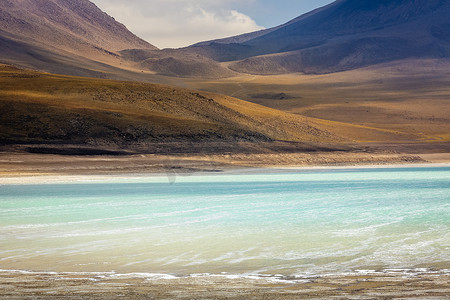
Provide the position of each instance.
(179, 23)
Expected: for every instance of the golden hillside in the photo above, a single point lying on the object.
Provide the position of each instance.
(402, 105)
(41, 108)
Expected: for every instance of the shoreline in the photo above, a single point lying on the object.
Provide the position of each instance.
(170, 177)
(14, 166)
(363, 285)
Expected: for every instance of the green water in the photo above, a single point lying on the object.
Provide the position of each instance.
(293, 223)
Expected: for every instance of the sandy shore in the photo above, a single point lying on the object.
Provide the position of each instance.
(390, 285)
(25, 164)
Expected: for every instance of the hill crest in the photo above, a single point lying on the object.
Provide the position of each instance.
(67, 37)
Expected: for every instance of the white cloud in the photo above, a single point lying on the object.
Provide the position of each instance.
(177, 23)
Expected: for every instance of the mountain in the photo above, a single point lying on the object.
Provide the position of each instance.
(77, 38)
(343, 35)
(72, 37)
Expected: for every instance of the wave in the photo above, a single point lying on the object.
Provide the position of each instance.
(305, 277)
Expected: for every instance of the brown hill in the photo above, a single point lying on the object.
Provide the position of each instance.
(71, 37)
(39, 108)
(401, 106)
(171, 62)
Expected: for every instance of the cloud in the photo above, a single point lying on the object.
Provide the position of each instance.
(177, 23)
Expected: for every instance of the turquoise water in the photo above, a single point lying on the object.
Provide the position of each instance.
(292, 223)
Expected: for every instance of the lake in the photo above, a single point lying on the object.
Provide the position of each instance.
(265, 223)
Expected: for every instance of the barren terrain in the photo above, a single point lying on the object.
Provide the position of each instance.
(395, 105)
(51, 112)
(382, 115)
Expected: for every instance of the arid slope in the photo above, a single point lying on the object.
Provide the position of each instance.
(67, 37)
(39, 108)
(400, 103)
(175, 63)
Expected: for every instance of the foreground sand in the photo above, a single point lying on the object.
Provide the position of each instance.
(392, 285)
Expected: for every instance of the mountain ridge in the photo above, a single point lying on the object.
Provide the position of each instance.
(343, 35)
